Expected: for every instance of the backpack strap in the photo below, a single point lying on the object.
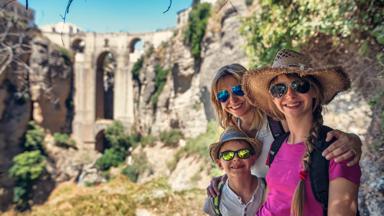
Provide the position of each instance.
(276, 127)
(275, 146)
(319, 170)
(216, 200)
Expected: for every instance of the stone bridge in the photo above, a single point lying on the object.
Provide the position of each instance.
(102, 78)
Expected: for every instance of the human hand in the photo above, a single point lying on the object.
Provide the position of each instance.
(346, 146)
(213, 188)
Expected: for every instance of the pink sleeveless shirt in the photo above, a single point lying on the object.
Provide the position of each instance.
(283, 177)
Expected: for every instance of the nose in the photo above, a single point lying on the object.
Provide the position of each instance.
(291, 93)
(233, 98)
(236, 158)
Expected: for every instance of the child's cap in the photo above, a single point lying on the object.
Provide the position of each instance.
(229, 134)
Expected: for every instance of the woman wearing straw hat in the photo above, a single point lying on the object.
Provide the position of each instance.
(232, 108)
(294, 92)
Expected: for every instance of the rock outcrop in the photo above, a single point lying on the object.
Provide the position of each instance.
(35, 84)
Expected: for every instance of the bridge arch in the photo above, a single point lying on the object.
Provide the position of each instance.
(135, 44)
(105, 84)
(101, 143)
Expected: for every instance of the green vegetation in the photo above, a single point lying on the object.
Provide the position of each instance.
(377, 106)
(111, 158)
(198, 145)
(28, 166)
(64, 140)
(139, 165)
(147, 140)
(119, 143)
(171, 138)
(66, 54)
(26, 169)
(290, 24)
(137, 68)
(160, 79)
(116, 136)
(248, 2)
(197, 23)
(34, 137)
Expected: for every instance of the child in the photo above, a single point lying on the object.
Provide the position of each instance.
(242, 193)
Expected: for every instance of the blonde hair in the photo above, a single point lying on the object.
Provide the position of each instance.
(298, 198)
(226, 119)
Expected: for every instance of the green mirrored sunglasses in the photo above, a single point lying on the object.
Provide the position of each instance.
(241, 153)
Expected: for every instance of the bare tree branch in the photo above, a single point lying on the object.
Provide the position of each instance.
(169, 6)
(8, 58)
(6, 4)
(66, 12)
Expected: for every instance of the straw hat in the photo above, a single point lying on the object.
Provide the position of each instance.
(229, 134)
(256, 83)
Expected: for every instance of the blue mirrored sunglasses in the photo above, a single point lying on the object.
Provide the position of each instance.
(223, 95)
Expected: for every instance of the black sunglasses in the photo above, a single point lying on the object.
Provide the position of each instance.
(241, 153)
(223, 95)
(278, 90)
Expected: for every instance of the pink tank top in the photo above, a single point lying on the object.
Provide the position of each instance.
(283, 177)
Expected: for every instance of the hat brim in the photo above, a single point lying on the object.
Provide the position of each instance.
(214, 148)
(256, 84)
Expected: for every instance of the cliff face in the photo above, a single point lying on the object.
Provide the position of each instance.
(34, 85)
(184, 102)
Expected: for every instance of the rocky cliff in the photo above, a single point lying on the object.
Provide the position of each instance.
(35, 84)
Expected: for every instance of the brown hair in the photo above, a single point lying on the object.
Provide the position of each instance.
(225, 119)
(297, 205)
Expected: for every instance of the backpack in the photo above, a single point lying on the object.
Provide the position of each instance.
(216, 199)
(318, 169)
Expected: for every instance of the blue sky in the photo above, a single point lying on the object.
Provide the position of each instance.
(104, 16)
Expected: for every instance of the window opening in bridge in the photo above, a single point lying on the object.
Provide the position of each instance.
(106, 42)
(105, 82)
(78, 46)
(136, 45)
(136, 49)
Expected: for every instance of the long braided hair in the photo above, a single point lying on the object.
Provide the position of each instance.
(297, 205)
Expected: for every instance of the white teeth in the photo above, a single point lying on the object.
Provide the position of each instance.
(236, 107)
(293, 104)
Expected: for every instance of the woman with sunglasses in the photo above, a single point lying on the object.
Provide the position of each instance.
(296, 94)
(233, 109)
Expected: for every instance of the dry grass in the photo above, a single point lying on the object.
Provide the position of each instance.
(119, 197)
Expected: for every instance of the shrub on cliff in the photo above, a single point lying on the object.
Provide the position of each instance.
(34, 137)
(160, 79)
(111, 158)
(171, 138)
(116, 136)
(27, 168)
(197, 23)
(63, 140)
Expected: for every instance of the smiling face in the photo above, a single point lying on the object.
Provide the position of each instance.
(236, 166)
(293, 104)
(235, 105)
